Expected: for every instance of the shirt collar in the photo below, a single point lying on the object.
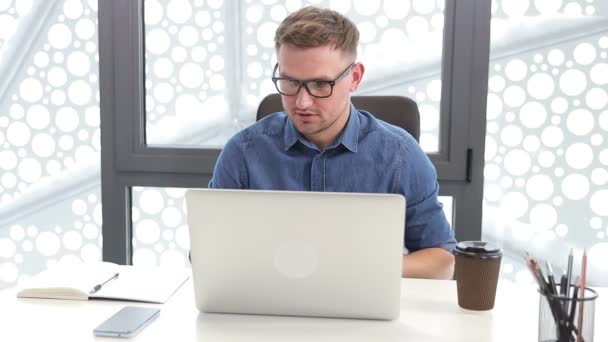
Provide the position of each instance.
(349, 137)
(291, 134)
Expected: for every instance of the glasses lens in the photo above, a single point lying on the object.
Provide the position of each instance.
(319, 88)
(288, 87)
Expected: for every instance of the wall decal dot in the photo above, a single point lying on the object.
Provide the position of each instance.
(514, 96)
(59, 36)
(599, 176)
(532, 114)
(573, 82)
(47, 243)
(559, 105)
(575, 186)
(516, 70)
(540, 86)
(517, 162)
(179, 11)
(543, 216)
(514, 204)
(598, 201)
(579, 156)
(584, 53)
(539, 187)
(157, 41)
(31, 90)
(494, 106)
(18, 134)
(596, 98)
(580, 122)
(511, 135)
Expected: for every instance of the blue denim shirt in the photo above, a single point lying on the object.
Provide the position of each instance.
(369, 156)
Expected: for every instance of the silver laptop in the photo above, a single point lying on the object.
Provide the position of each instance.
(297, 253)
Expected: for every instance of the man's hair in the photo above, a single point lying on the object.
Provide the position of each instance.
(313, 27)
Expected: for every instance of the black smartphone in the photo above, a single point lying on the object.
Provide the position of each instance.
(127, 322)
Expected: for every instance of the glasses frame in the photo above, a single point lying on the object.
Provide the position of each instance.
(332, 83)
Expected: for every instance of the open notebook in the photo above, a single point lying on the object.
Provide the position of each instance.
(104, 280)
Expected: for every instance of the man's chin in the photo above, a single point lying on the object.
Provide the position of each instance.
(308, 128)
(304, 123)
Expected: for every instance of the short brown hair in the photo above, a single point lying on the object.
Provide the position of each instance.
(313, 27)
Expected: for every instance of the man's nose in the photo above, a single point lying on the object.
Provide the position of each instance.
(303, 98)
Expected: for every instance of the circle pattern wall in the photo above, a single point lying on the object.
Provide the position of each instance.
(50, 120)
(49, 127)
(546, 151)
(160, 230)
(69, 231)
(204, 66)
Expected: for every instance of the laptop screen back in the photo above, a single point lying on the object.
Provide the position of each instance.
(297, 253)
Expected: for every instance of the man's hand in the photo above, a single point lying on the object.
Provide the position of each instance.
(431, 263)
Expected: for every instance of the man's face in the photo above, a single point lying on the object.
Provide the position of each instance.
(319, 119)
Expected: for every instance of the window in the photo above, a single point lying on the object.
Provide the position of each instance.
(50, 203)
(160, 227)
(182, 76)
(547, 116)
(188, 104)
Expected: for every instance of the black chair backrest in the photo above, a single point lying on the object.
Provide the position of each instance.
(400, 111)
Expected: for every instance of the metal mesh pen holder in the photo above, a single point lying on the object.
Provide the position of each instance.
(560, 320)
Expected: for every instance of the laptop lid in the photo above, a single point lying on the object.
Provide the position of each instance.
(297, 253)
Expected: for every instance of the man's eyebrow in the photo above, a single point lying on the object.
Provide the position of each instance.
(282, 75)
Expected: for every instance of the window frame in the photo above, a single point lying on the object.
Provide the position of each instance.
(127, 161)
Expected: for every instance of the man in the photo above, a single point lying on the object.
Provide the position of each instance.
(322, 143)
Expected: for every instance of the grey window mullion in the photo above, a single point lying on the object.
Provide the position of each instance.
(126, 43)
(115, 197)
(471, 206)
(441, 158)
(127, 162)
(464, 50)
(233, 55)
(468, 118)
(163, 180)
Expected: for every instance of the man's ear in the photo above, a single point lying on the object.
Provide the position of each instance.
(357, 71)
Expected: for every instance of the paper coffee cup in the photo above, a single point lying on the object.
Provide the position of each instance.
(477, 268)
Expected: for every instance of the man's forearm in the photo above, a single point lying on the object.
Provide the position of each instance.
(431, 263)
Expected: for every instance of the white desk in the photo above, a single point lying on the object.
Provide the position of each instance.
(429, 313)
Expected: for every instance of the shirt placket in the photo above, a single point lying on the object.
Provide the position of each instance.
(317, 172)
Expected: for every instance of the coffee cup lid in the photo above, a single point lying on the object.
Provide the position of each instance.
(477, 247)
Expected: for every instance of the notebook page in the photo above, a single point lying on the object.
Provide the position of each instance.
(68, 280)
(144, 284)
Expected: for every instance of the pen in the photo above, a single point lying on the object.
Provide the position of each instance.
(99, 286)
(563, 285)
(563, 290)
(580, 306)
(577, 284)
(559, 312)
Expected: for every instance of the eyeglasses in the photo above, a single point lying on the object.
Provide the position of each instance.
(316, 88)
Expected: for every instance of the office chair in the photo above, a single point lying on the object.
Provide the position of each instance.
(400, 111)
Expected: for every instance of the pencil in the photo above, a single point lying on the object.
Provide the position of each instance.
(579, 337)
(532, 270)
(569, 273)
(551, 279)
